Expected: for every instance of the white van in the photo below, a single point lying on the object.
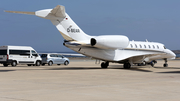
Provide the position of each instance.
(19, 55)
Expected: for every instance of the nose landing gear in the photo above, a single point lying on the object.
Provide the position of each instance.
(165, 64)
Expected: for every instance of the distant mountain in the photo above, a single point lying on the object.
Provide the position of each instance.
(176, 51)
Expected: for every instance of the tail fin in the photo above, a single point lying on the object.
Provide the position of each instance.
(66, 26)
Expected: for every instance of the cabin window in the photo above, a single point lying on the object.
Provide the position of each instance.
(149, 46)
(131, 45)
(144, 46)
(140, 46)
(153, 46)
(136, 45)
(157, 46)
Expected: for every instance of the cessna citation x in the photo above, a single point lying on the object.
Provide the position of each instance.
(108, 48)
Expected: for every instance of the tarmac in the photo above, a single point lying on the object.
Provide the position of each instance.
(83, 80)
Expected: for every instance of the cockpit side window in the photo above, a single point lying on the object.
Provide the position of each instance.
(164, 47)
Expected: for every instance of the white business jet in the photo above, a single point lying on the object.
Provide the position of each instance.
(108, 48)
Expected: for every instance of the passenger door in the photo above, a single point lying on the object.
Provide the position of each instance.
(60, 59)
(34, 56)
(54, 58)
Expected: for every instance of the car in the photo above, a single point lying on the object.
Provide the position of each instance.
(54, 58)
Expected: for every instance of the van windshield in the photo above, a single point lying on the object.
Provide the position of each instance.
(3, 52)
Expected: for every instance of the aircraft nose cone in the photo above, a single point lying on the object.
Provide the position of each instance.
(173, 55)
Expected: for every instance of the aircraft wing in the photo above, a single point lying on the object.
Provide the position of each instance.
(141, 58)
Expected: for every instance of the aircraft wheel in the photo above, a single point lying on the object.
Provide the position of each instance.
(165, 65)
(152, 64)
(104, 65)
(127, 65)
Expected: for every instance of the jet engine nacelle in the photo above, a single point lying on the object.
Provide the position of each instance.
(110, 41)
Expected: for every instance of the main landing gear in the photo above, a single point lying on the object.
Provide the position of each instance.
(127, 65)
(105, 64)
(165, 64)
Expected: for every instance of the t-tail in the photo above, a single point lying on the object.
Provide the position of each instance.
(66, 26)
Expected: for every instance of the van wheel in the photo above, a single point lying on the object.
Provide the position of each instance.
(38, 63)
(13, 63)
(66, 63)
(50, 63)
(5, 65)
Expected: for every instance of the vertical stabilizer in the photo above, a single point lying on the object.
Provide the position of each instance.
(66, 26)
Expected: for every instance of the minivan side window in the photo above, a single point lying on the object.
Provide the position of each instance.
(53, 55)
(60, 56)
(19, 52)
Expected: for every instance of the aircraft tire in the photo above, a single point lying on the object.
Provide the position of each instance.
(152, 64)
(104, 65)
(127, 65)
(165, 65)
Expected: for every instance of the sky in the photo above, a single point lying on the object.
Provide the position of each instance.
(154, 20)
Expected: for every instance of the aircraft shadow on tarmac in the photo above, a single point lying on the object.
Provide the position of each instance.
(135, 68)
(170, 72)
(170, 68)
(131, 69)
(167, 67)
(74, 68)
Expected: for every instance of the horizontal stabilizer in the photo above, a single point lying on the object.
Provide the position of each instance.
(30, 13)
